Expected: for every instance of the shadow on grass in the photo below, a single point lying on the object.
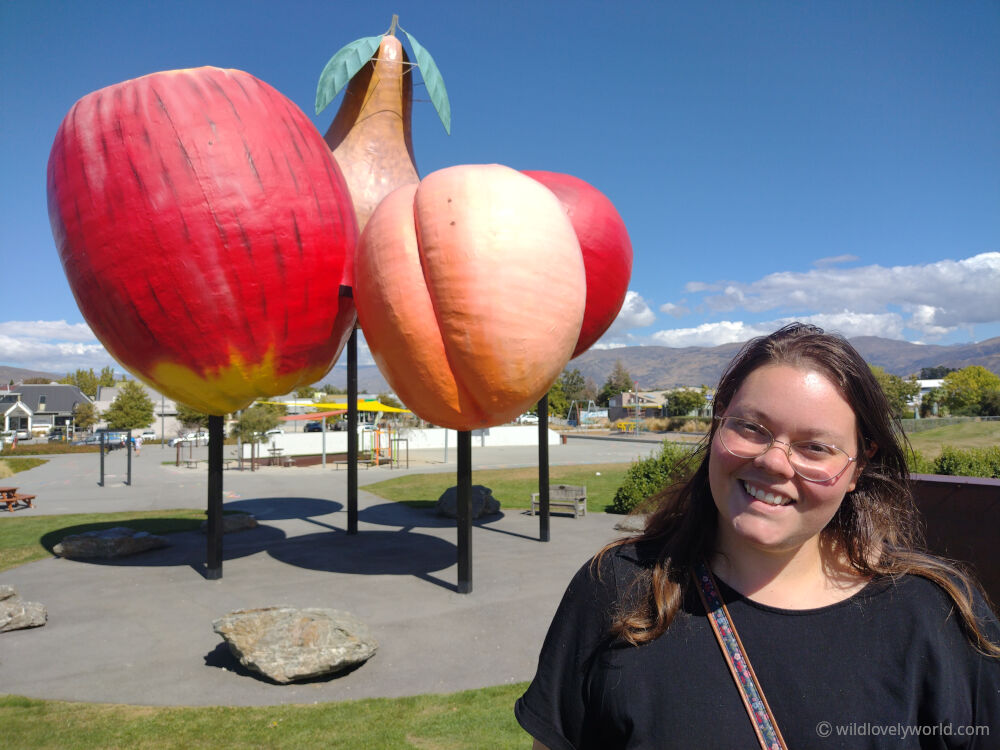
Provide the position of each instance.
(186, 545)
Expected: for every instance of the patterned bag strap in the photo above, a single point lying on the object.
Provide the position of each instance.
(736, 657)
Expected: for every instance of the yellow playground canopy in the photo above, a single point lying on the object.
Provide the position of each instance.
(366, 405)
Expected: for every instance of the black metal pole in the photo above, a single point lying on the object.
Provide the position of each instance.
(464, 512)
(103, 435)
(543, 468)
(128, 450)
(213, 561)
(352, 433)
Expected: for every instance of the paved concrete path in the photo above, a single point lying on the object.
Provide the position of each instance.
(139, 630)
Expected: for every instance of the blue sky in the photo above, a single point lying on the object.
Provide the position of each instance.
(837, 162)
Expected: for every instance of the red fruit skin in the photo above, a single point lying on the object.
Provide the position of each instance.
(607, 251)
(205, 231)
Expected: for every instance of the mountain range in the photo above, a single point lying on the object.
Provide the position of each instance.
(654, 367)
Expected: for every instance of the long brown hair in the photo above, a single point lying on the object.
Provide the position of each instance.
(877, 527)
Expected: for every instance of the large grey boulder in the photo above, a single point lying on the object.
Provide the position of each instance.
(17, 614)
(234, 522)
(481, 502)
(286, 644)
(107, 543)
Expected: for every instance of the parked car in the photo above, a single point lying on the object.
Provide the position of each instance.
(274, 431)
(7, 436)
(23, 435)
(314, 427)
(528, 419)
(148, 435)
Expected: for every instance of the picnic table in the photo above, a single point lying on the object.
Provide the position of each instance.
(9, 495)
(275, 455)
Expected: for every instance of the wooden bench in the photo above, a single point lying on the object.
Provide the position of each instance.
(13, 500)
(569, 496)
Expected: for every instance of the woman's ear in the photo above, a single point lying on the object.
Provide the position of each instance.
(859, 466)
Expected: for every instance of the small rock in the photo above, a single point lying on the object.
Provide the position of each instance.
(633, 524)
(234, 522)
(286, 644)
(481, 502)
(107, 543)
(17, 614)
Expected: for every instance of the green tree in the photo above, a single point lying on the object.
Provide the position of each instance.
(963, 390)
(131, 409)
(331, 389)
(254, 422)
(84, 415)
(558, 403)
(85, 380)
(683, 401)
(190, 418)
(306, 391)
(573, 384)
(989, 404)
(618, 381)
(36, 381)
(107, 377)
(934, 373)
(899, 392)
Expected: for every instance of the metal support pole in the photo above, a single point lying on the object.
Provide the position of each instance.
(543, 468)
(464, 512)
(352, 433)
(213, 561)
(103, 436)
(128, 450)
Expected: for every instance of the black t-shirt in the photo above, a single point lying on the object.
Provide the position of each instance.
(890, 667)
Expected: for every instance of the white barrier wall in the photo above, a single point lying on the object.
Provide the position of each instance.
(311, 443)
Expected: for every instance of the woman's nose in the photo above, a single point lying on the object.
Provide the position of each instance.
(776, 461)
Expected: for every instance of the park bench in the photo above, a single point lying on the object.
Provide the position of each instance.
(569, 496)
(10, 496)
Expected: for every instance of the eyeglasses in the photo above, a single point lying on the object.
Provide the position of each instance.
(814, 462)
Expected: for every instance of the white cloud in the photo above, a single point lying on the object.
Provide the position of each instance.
(635, 313)
(47, 330)
(52, 355)
(849, 324)
(711, 334)
(936, 297)
(676, 311)
(835, 260)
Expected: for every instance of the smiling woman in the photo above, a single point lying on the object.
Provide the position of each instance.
(800, 507)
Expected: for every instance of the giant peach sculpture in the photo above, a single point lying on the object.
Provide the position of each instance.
(471, 290)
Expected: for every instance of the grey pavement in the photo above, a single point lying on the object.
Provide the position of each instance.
(138, 630)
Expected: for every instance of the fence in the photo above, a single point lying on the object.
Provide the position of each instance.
(962, 518)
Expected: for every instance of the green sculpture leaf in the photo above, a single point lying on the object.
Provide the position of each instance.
(343, 67)
(433, 81)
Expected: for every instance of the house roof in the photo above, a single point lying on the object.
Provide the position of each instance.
(58, 398)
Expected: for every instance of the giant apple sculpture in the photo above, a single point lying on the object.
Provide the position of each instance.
(471, 291)
(205, 231)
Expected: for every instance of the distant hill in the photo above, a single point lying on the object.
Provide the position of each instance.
(656, 367)
(664, 367)
(17, 374)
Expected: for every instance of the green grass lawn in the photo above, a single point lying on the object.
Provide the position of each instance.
(11, 466)
(27, 538)
(512, 487)
(471, 720)
(964, 435)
